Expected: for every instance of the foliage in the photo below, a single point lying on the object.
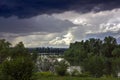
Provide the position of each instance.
(4, 49)
(16, 63)
(116, 52)
(18, 69)
(61, 68)
(99, 57)
(19, 50)
(74, 55)
(116, 66)
(95, 65)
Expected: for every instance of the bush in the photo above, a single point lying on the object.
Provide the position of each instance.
(61, 68)
(18, 69)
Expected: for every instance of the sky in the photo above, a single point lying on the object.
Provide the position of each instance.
(57, 23)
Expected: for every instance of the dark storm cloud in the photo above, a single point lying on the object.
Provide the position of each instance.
(30, 8)
(42, 23)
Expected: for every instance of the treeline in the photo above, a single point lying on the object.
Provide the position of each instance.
(48, 50)
(20, 63)
(16, 63)
(96, 57)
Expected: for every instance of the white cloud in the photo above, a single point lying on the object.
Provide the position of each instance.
(35, 40)
(110, 27)
(87, 25)
(48, 39)
(92, 23)
(65, 39)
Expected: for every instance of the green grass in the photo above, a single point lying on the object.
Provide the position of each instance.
(75, 78)
(51, 76)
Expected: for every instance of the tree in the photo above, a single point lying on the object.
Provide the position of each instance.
(116, 61)
(61, 68)
(4, 49)
(116, 66)
(116, 52)
(75, 54)
(18, 63)
(94, 52)
(94, 65)
(20, 68)
(109, 45)
(19, 50)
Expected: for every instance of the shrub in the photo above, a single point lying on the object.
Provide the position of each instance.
(61, 68)
(18, 69)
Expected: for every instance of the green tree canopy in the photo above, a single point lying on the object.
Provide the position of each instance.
(94, 55)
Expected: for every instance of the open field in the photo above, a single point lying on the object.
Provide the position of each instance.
(75, 78)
